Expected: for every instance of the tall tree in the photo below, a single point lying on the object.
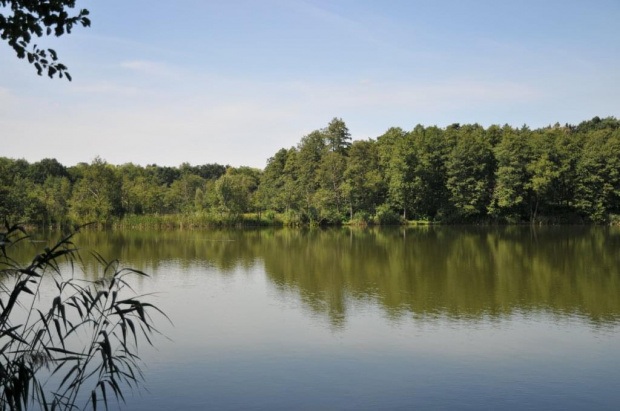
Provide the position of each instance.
(310, 152)
(470, 168)
(363, 187)
(181, 195)
(55, 194)
(337, 136)
(273, 181)
(96, 194)
(398, 161)
(431, 149)
(598, 175)
(234, 190)
(47, 167)
(330, 176)
(551, 169)
(292, 192)
(512, 197)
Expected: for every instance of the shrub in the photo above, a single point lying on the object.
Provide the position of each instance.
(386, 216)
(362, 218)
(270, 215)
(291, 218)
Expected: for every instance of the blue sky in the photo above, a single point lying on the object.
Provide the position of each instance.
(231, 82)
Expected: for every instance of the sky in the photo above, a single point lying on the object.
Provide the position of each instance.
(232, 82)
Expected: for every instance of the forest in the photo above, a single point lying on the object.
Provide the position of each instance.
(458, 174)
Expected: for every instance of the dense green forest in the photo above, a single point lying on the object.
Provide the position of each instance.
(457, 174)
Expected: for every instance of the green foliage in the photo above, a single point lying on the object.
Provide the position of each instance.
(181, 194)
(87, 333)
(363, 187)
(463, 173)
(511, 196)
(432, 149)
(273, 182)
(598, 176)
(362, 218)
(337, 136)
(399, 161)
(546, 169)
(330, 176)
(48, 167)
(308, 160)
(54, 194)
(231, 195)
(96, 194)
(234, 190)
(470, 168)
(291, 218)
(21, 20)
(386, 216)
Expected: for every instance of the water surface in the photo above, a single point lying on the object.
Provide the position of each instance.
(431, 317)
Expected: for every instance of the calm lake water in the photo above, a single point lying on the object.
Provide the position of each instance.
(427, 318)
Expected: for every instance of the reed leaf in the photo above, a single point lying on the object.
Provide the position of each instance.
(80, 308)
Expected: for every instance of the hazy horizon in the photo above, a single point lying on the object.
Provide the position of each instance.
(204, 82)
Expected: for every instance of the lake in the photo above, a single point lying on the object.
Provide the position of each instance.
(352, 319)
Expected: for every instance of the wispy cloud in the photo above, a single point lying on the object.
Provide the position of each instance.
(107, 88)
(6, 106)
(4, 96)
(151, 68)
(130, 45)
(415, 96)
(361, 31)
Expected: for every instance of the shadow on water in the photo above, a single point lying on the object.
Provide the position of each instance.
(457, 273)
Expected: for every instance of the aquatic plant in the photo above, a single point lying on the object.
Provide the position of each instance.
(84, 337)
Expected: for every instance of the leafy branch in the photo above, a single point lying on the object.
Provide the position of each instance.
(21, 20)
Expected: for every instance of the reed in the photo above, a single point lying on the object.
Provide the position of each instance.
(87, 334)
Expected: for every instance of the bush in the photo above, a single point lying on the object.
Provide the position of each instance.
(362, 218)
(291, 218)
(329, 216)
(270, 215)
(386, 216)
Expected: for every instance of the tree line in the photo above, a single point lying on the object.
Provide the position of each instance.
(457, 174)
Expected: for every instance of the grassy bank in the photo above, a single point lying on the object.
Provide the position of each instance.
(191, 221)
(272, 219)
